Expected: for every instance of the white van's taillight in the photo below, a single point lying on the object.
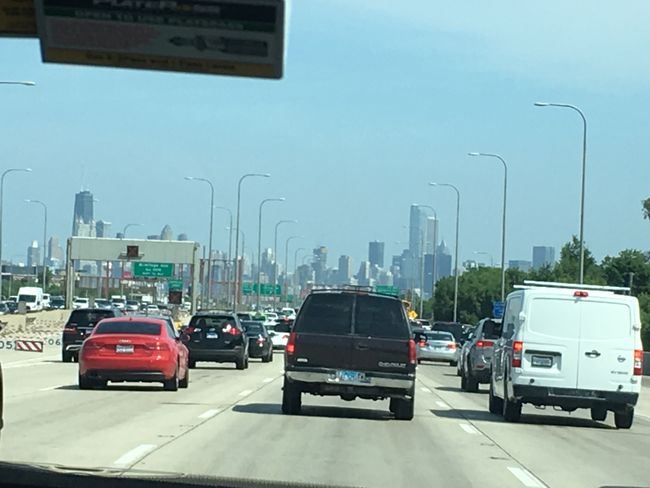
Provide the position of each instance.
(517, 350)
(638, 362)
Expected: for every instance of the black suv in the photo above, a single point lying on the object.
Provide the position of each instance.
(351, 343)
(218, 337)
(79, 326)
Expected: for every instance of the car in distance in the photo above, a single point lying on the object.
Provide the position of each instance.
(103, 303)
(32, 296)
(351, 343)
(80, 302)
(141, 349)
(216, 337)
(280, 332)
(476, 354)
(132, 306)
(79, 326)
(568, 346)
(437, 346)
(259, 341)
(57, 303)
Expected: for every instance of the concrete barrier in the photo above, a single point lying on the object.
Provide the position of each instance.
(33, 325)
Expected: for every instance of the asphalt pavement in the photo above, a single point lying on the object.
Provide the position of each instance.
(229, 423)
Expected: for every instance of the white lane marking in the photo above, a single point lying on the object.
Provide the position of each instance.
(134, 454)
(209, 413)
(245, 392)
(425, 389)
(50, 388)
(443, 405)
(525, 477)
(267, 380)
(468, 428)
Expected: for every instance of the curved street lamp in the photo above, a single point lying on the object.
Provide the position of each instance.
(259, 246)
(38, 202)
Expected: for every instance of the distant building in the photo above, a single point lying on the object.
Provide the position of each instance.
(103, 228)
(543, 256)
(54, 253)
(432, 234)
(319, 264)
(153, 237)
(119, 235)
(363, 276)
(376, 253)
(33, 255)
(182, 237)
(83, 223)
(443, 261)
(428, 274)
(520, 264)
(417, 230)
(166, 234)
(345, 269)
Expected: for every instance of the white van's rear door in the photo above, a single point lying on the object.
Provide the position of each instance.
(551, 341)
(606, 344)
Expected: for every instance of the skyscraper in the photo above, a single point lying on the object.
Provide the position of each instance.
(443, 261)
(33, 255)
(166, 234)
(83, 223)
(103, 228)
(432, 233)
(376, 253)
(417, 230)
(520, 264)
(345, 269)
(54, 252)
(319, 264)
(182, 237)
(543, 256)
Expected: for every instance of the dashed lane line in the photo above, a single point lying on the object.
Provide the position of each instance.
(470, 429)
(134, 454)
(245, 393)
(527, 479)
(209, 413)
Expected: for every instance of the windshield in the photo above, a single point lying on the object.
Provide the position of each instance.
(364, 178)
(127, 328)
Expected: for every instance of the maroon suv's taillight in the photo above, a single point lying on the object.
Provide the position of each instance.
(412, 352)
(291, 344)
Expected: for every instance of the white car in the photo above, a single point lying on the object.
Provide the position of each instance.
(289, 313)
(80, 302)
(568, 346)
(279, 335)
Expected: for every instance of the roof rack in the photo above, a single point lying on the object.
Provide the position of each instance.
(358, 288)
(552, 284)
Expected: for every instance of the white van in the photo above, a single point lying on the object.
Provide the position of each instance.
(32, 296)
(568, 346)
(46, 301)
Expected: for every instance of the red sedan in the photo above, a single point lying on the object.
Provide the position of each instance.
(133, 349)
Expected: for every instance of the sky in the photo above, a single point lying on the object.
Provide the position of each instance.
(378, 99)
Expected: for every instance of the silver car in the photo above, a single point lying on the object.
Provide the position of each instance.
(476, 355)
(437, 346)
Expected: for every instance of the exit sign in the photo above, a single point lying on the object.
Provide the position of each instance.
(153, 270)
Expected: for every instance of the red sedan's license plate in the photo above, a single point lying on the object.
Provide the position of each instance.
(124, 349)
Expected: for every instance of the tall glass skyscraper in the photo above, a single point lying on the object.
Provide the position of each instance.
(83, 221)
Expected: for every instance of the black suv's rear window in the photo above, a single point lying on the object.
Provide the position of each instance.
(212, 321)
(327, 313)
(128, 328)
(85, 318)
(380, 317)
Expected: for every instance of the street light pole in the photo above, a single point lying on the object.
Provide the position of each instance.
(456, 250)
(209, 291)
(584, 170)
(44, 238)
(228, 265)
(286, 264)
(126, 227)
(275, 256)
(259, 247)
(236, 255)
(503, 223)
(2, 186)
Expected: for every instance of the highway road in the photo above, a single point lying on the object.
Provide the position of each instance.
(228, 423)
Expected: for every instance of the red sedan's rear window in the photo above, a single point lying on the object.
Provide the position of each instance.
(128, 328)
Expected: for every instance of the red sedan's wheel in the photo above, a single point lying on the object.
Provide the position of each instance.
(185, 382)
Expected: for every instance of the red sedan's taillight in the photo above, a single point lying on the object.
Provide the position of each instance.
(412, 352)
(638, 362)
(158, 346)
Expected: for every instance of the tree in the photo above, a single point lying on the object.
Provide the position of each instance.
(567, 270)
(617, 270)
(646, 208)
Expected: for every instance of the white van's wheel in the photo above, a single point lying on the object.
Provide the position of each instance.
(511, 410)
(623, 420)
(598, 414)
(495, 404)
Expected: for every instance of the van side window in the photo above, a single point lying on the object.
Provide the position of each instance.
(513, 307)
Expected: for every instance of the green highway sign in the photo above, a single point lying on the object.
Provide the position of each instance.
(153, 270)
(266, 290)
(387, 290)
(175, 285)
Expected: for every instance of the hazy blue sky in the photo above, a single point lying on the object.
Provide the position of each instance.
(379, 98)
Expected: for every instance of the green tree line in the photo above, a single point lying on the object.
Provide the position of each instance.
(478, 288)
